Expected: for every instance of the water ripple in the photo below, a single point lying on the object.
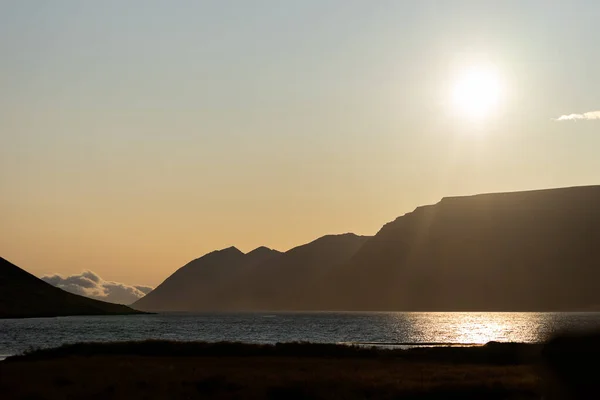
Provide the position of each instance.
(460, 328)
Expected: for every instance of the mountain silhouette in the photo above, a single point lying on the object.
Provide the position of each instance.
(22, 295)
(522, 251)
(263, 279)
(298, 279)
(197, 284)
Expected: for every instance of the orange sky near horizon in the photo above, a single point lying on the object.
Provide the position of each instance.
(135, 139)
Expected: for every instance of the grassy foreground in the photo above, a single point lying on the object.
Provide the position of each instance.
(172, 370)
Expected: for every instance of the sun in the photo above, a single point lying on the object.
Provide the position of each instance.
(476, 93)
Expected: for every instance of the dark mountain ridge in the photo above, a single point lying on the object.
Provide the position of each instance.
(298, 279)
(263, 279)
(196, 285)
(521, 251)
(528, 251)
(23, 295)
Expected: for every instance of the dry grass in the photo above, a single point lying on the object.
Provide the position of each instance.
(127, 377)
(292, 372)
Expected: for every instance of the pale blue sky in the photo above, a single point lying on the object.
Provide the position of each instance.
(136, 135)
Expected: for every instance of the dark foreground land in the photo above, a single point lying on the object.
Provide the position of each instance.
(171, 370)
(23, 295)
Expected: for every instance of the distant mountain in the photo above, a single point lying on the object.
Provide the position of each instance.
(524, 251)
(23, 295)
(263, 279)
(198, 284)
(300, 279)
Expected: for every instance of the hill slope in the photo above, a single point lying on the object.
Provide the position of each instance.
(263, 279)
(536, 250)
(522, 251)
(22, 295)
(297, 280)
(198, 284)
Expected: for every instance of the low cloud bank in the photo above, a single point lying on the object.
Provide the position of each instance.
(575, 117)
(90, 284)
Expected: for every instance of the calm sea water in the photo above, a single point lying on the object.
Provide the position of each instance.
(325, 327)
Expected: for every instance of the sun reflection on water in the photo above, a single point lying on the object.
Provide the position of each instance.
(471, 327)
(478, 332)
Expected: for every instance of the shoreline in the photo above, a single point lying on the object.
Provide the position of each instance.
(491, 352)
(367, 345)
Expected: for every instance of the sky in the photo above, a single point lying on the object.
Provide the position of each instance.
(136, 136)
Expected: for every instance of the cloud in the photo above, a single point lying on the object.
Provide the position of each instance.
(92, 285)
(574, 117)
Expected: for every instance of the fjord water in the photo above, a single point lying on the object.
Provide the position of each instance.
(384, 328)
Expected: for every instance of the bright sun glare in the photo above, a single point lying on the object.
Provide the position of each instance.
(476, 93)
